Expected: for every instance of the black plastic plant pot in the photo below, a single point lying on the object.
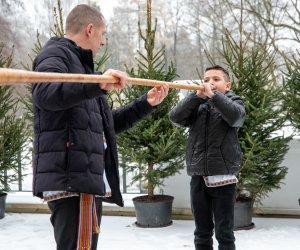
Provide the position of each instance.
(2, 204)
(243, 216)
(155, 213)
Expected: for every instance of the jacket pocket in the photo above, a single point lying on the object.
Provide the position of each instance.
(190, 154)
(231, 149)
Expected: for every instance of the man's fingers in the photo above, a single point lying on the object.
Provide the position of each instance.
(167, 89)
(155, 90)
(123, 79)
(107, 72)
(164, 90)
(119, 74)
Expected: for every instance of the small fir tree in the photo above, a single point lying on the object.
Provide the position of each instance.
(154, 149)
(13, 134)
(263, 150)
(291, 83)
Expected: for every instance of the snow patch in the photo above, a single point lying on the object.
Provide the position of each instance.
(34, 232)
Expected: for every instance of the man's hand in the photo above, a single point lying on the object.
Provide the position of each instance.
(116, 73)
(207, 92)
(156, 95)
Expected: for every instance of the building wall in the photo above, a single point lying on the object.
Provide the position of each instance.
(287, 197)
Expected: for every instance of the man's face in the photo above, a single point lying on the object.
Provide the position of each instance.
(96, 39)
(217, 80)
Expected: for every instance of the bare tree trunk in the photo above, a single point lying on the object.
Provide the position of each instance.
(139, 18)
(166, 61)
(166, 55)
(175, 48)
(200, 54)
(175, 21)
(150, 184)
(214, 40)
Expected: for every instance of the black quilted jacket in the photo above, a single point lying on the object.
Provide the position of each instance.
(213, 146)
(69, 121)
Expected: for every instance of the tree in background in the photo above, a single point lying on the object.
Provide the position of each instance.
(13, 133)
(292, 85)
(263, 150)
(272, 23)
(195, 23)
(122, 33)
(214, 16)
(276, 18)
(175, 19)
(154, 149)
(9, 28)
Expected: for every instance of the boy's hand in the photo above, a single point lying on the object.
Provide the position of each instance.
(156, 95)
(207, 92)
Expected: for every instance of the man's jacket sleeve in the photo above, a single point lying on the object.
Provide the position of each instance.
(130, 115)
(61, 95)
(182, 115)
(232, 110)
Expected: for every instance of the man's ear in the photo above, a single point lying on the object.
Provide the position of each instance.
(89, 29)
(228, 86)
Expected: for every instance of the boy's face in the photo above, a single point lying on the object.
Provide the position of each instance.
(217, 80)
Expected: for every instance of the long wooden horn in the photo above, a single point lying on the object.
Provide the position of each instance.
(13, 76)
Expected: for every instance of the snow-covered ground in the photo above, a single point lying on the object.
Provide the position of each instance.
(34, 232)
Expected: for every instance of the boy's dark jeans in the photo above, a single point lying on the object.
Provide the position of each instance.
(209, 201)
(64, 218)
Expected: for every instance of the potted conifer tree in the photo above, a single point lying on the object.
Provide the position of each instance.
(263, 147)
(13, 137)
(292, 90)
(154, 148)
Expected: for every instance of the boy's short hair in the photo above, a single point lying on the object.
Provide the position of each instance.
(218, 67)
(81, 16)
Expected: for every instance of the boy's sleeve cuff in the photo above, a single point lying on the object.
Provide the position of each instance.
(202, 100)
(216, 98)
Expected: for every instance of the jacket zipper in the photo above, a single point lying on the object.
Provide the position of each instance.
(68, 149)
(109, 144)
(206, 140)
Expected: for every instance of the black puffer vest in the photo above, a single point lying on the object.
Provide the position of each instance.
(69, 121)
(213, 146)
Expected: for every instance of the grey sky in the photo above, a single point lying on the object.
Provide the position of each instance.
(107, 7)
(33, 9)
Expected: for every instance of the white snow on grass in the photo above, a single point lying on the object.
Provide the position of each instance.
(34, 232)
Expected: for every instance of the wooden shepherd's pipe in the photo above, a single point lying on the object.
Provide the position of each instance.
(14, 76)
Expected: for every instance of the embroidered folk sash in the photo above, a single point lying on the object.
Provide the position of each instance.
(88, 222)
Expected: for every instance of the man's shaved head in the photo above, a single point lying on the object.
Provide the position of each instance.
(81, 16)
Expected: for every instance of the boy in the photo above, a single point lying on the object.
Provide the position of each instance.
(76, 158)
(213, 156)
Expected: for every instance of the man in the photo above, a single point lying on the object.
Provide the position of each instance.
(76, 160)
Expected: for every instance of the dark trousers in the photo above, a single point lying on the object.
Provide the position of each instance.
(207, 202)
(64, 218)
